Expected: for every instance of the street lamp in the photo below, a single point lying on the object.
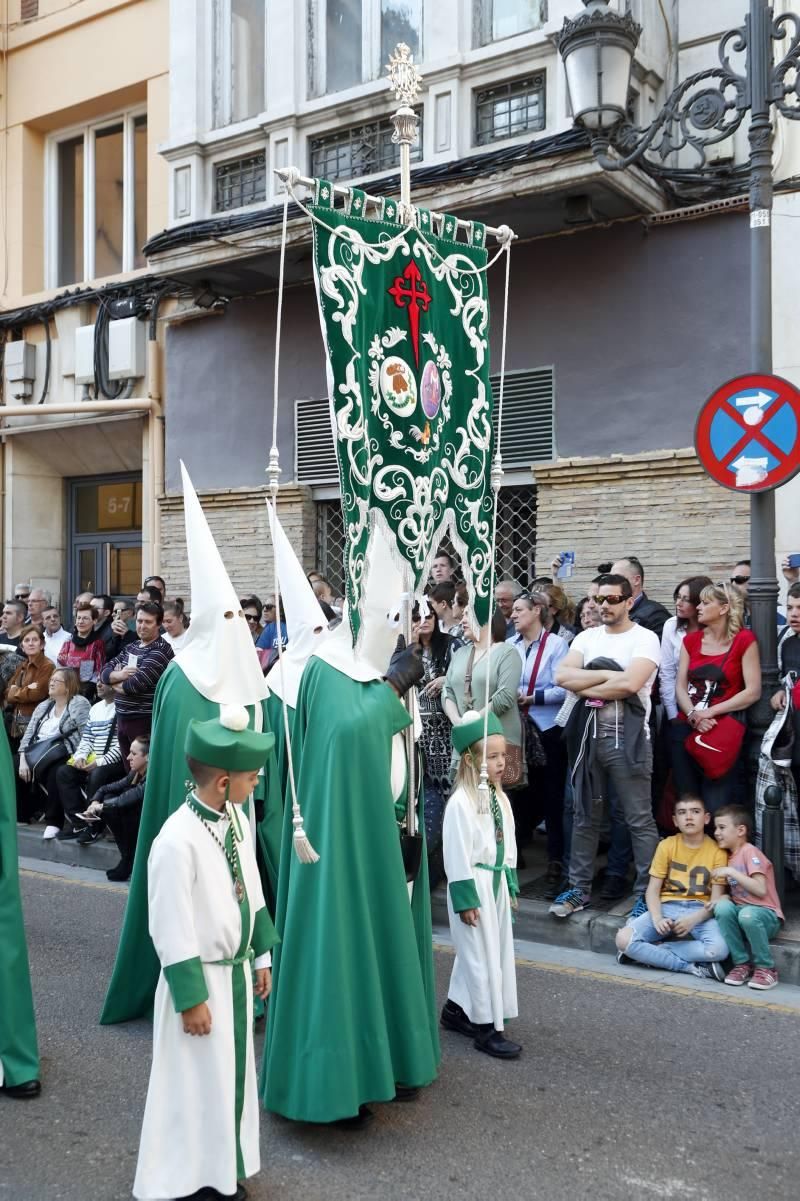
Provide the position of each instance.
(597, 48)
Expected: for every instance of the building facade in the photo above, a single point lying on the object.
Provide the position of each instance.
(628, 305)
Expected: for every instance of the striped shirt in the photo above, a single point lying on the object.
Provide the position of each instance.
(94, 739)
(152, 660)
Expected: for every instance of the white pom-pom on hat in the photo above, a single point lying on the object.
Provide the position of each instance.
(233, 717)
(470, 715)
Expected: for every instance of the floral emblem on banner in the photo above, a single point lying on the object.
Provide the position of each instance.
(406, 324)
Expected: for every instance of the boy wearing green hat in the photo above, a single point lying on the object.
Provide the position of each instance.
(211, 929)
(480, 859)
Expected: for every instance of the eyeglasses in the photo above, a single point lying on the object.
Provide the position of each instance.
(611, 599)
(739, 579)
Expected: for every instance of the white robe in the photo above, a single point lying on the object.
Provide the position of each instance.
(483, 981)
(189, 1132)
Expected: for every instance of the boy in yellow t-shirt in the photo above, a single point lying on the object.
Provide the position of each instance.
(678, 932)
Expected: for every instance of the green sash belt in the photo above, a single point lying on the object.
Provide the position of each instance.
(248, 956)
(510, 875)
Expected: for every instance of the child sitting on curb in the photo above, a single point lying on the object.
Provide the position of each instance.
(751, 917)
(480, 857)
(678, 932)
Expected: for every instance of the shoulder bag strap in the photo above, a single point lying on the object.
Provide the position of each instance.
(536, 662)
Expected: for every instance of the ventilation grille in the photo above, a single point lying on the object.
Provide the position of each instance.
(315, 453)
(528, 416)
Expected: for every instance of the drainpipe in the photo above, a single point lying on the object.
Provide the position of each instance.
(156, 427)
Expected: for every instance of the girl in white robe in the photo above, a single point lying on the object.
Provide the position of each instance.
(210, 928)
(480, 856)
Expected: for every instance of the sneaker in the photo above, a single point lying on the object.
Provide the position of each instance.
(709, 971)
(572, 900)
(625, 960)
(739, 974)
(50, 832)
(638, 910)
(87, 837)
(69, 834)
(763, 978)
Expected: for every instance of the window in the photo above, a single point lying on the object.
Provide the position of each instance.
(508, 109)
(528, 416)
(239, 58)
(97, 221)
(359, 150)
(351, 40)
(240, 181)
(497, 19)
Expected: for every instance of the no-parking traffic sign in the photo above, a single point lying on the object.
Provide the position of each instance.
(748, 433)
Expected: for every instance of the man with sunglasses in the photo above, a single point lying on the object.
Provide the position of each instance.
(253, 610)
(608, 736)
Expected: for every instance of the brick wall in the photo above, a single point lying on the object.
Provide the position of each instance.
(238, 520)
(660, 506)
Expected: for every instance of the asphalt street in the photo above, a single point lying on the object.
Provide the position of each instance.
(629, 1088)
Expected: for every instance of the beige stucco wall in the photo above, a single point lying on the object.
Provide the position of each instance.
(81, 63)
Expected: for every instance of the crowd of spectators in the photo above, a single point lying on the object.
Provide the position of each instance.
(614, 707)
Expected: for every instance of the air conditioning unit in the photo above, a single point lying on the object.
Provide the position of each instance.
(20, 368)
(84, 354)
(126, 348)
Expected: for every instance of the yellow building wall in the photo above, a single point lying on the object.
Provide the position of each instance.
(75, 64)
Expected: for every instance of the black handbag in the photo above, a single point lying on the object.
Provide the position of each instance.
(44, 754)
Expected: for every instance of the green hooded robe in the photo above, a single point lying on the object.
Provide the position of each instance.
(353, 1009)
(275, 714)
(133, 982)
(19, 1052)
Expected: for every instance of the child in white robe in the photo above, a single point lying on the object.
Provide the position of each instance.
(480, 857)
(211, 929)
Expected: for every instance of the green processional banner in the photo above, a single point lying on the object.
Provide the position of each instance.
(405, 318)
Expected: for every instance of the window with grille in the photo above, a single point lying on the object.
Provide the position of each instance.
(516, 538)
(359, 150)
(509, 109)
(528, 433)
(240, 181)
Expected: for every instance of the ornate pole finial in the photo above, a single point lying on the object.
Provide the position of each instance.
(405, 82)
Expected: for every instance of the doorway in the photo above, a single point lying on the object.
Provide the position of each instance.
(105, 535)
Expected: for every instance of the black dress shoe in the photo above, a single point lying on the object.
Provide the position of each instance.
(614, 888)
(494, 1043)
(23, 1092)
(123, 872)
(454, 1018)
(554, 889)
(404, 1092)
(357, 1122)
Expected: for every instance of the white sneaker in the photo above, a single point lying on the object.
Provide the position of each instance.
(50, 832)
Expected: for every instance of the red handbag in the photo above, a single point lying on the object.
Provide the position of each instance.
(716, 752)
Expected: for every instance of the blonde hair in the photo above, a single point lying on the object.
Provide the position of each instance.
(468, 773)
(564, 605)
(71, 680)
(727, 594)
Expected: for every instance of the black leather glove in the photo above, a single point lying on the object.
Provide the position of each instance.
(405, 667)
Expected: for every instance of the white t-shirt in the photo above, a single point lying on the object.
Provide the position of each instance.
(635, 643)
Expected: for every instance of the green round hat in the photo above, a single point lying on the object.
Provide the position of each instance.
(470, 729)
(227, 743)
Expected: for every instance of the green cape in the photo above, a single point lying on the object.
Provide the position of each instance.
(353, 1009)
(19, 1053)
(275, 714)
(177, 701)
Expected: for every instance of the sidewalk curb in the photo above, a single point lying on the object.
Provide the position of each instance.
(590, 930)
(100, 855)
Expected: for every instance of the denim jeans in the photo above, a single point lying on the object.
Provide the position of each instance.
(633, 795)
(747, 929)
(620, 854)
(705, 944)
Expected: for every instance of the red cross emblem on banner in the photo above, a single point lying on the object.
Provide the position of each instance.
(410, 291)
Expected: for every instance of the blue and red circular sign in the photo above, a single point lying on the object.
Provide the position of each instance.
(748, 433)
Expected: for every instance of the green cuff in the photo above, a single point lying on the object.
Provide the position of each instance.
(265, 936)
(186, 983)
(464, 895)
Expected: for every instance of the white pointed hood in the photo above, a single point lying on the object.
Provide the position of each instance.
(306, 624)
(377, 638)
(219, 657)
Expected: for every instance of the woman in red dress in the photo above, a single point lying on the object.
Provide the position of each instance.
(719, 673)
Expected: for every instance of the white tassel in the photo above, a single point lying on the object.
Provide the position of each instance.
(302, 847)
(483, 790)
